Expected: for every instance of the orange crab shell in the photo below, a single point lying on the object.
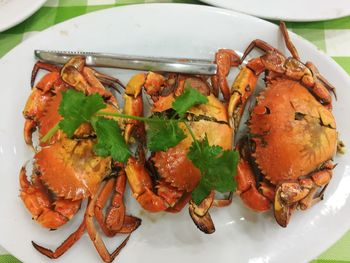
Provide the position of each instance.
(174, 166)
(287, 116)
(70, 168)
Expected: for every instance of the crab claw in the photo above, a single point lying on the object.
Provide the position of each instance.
(246, 188)
(282, 211)
(200, 216)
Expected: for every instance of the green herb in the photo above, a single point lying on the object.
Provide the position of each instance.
(110, 141)
(76, 108)
(163, 134)
(217, 167)
(189, 98)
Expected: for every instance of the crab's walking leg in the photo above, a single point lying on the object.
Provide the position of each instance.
(225, 59)
(67, 244)
(100, 203)
(288, 42)
(41, 65)
(262, 45)
(107, 80)
(321, 87)
(94, 235)
(116, 221)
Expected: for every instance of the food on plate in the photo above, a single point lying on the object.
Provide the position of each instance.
(175, 167)
(286, 157)
(84, 153)
(66, 169)
(183, 151)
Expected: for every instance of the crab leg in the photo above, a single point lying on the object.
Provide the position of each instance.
(94, 235)
(141, 185)
(41, 65)
(247, 190)
(36, 103)
(288, 42)
(115, 219)
(67, 244)
(321, 86)
(290, 195)
(133, 105)
(100, 203)
(152, 82)
(200, 216)
(258, 43)
(107, 80)
(223, 202)
(225, 59)
(242, 88)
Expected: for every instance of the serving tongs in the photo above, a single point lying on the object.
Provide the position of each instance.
(108, 60)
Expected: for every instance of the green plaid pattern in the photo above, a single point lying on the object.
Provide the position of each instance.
(333, 37)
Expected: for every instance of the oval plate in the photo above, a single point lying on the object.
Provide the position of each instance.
(177, 31)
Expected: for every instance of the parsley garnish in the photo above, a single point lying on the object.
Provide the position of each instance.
(110, 141)
(217, 167)
(189, 98)
(77, 108)
(163, 134)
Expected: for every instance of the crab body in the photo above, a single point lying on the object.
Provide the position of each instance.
(171, 177)
(66, 171)
(286, 156)
(289, 125)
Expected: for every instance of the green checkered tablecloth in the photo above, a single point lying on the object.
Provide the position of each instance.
(333, 37)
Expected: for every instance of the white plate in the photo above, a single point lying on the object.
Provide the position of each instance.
(13, 12)
(296, 10)
(180, 31)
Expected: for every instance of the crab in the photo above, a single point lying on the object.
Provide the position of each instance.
(66, 171)
(165, 180)
(286, 158)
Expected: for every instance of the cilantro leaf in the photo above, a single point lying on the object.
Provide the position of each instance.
(217, 167)
(76, 108)
(110, 140)
(187, 99)
(200, 192)
(163, 134)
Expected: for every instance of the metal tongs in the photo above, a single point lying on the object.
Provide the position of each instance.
(188, 66)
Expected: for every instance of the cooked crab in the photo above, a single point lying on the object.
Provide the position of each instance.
(286, 158)
(67, 171)
(165, 181)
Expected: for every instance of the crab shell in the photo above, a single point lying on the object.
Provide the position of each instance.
(293, 133)
(212, 121)
(69, 167)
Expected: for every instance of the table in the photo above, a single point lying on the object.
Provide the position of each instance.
(332, 37)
